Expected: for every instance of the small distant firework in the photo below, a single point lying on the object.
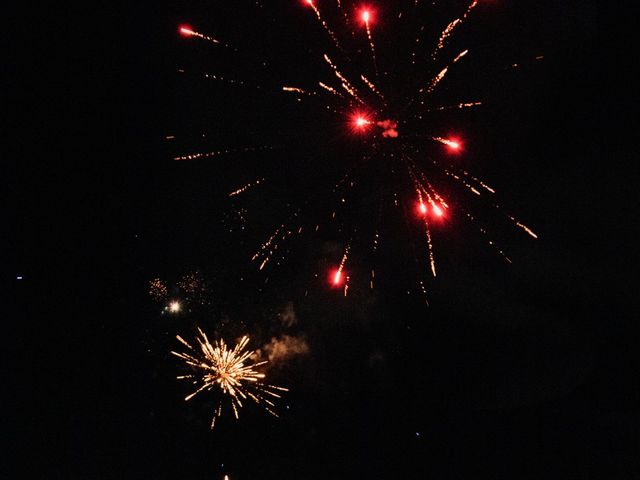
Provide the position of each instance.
(229, 371)
(158, 290)
(194, 288)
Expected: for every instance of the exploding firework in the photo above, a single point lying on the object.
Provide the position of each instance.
(229, 371)
(407, 165)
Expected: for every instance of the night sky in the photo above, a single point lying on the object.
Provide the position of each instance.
(520, 371)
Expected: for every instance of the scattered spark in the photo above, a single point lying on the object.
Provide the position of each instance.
(175, 307)
(158, 290)
(449, 29)
(435, 81)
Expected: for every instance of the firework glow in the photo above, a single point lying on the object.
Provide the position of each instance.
(229, 371)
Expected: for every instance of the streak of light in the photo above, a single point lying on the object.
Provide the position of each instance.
(324, 24)
(195, 156)
(449, 29)
(246, 187)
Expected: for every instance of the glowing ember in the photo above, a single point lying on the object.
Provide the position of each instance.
(437, 210)
(175, 307)
(186, 31)
(422, 208)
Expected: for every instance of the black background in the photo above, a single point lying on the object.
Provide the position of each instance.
(518, 372)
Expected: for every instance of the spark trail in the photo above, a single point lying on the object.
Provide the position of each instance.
(324, 24)
(373, 120)
(449, 29)
(366, 16)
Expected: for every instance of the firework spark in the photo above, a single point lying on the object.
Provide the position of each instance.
(187, 31)
(333, 36)
(366, 17)
(229, 371)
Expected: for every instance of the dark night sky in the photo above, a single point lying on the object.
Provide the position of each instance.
(515, 372)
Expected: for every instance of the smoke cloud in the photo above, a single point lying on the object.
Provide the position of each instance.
(288, 316)
(284, 347)
(389, 128)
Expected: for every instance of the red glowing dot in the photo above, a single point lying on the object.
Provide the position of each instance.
(361, 122)
(454, 145)
(423, 208)
(365, 16)
(310, 2)
(186, 31)
(438, 211)
(336, 277)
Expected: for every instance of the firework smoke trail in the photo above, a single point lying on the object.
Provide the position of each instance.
(230, 371)
(246, 187)
(324, 24)
(449, 29)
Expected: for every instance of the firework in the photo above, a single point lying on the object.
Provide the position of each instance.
(425, 182)
(229, 371)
